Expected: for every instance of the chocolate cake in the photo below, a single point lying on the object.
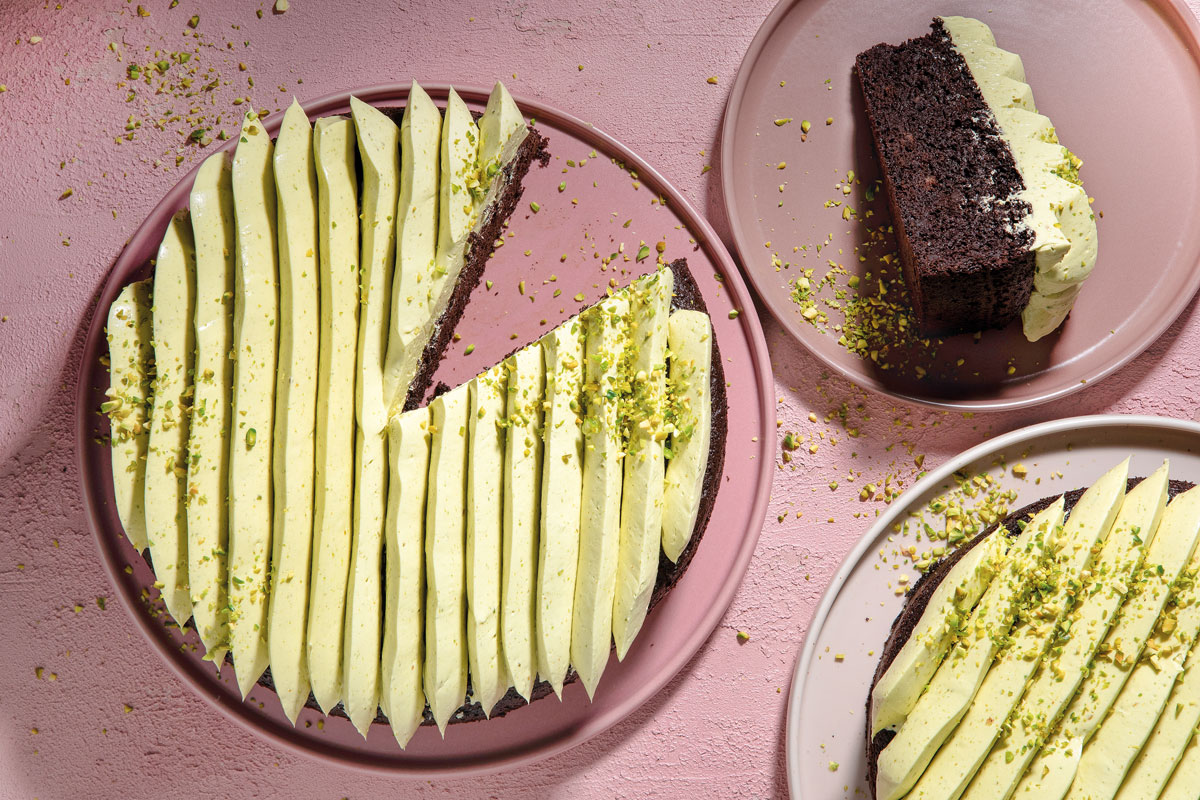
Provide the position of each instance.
(922, 591)
(974, 178)
(466, 206)
(967, 261)
(479, 250)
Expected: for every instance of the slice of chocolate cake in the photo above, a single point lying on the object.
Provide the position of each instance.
(350, 560)
(991, 219)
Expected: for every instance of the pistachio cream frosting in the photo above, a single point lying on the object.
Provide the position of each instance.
(1060, 215)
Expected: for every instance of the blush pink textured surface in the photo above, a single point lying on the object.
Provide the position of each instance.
(88, 708)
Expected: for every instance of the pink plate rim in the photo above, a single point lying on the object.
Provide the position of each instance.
(1178, 15)
(706, 238)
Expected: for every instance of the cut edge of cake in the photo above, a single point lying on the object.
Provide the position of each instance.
(1004, 229)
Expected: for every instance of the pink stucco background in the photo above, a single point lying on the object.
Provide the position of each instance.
(103, 716)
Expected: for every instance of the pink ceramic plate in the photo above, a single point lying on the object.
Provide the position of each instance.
(1120, 83)
(601, 210)
(827, 702)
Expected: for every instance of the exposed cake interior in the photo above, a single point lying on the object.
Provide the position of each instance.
(443, 185)
(991, 220)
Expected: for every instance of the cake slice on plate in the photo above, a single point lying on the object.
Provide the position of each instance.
(992, 220)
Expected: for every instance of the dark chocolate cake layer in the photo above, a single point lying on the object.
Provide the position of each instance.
(923, 589)
(951, 183)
